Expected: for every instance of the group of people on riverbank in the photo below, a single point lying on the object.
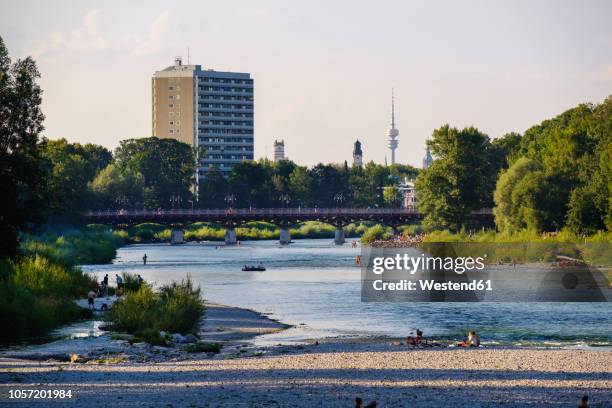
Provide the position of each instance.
(472, 340)
(102, 289)
(400, 241)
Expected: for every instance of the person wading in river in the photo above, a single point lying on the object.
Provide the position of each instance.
(144, 259)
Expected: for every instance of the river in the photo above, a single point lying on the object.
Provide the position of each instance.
(315, 286)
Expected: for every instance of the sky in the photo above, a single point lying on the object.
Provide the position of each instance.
(323, 70)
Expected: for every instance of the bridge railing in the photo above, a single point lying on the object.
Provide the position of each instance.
(246, 212)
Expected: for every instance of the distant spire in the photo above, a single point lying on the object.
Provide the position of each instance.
(392, 108)
(392, 133)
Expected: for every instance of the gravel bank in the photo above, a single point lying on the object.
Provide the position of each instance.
(331, 373)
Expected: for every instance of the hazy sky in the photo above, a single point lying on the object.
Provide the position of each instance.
(323, 70)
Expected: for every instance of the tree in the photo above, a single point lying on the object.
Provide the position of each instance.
(112, 184)
(167, 168)
(212, 189)
(574, 149)
(299, 186)
(325, 182)
(461, 180)
(506, 211)
(21, 170)
(506, 149)
(251, 183)
(71, 167)
(391, 196)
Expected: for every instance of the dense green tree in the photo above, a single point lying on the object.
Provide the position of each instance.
(113, 188)
(506, 149)
(326, 182)
(392, 196)
(299, 186)
(212, 189)
(21, 170)
(574, 151)
(506, 210)
(251, 183)
(460, 180)
(71, 167)
(167, 168)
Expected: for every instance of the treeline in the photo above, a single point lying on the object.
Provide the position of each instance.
(557, 175)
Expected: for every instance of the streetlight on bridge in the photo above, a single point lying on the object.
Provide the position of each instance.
(175, 200)
(284, 199)
(122, 201)
(230, 199)
(339, 199)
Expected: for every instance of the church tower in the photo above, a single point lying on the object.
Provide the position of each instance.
(357, 154)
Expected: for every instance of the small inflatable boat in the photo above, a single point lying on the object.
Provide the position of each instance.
(258, 268)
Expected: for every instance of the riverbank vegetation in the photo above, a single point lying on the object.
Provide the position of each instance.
(144, 312)
(205, 231)
(37, 295)
(557, 175)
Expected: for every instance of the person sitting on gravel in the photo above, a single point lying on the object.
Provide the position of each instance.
(473, 339)
(414, 341)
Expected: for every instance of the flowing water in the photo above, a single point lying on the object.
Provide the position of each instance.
(315, 286)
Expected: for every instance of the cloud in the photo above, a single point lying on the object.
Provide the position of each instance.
(87, 38)
(161, 32)
(84, 39)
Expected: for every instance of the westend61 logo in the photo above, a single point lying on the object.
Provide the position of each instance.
(469, 272)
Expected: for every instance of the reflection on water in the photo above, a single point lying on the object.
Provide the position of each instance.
(315, 285)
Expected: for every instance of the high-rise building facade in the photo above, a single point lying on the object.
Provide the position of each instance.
(211, 110)
(279, 150)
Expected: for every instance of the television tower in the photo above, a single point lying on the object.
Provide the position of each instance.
(393, 133)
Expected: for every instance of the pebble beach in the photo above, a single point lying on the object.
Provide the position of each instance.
(328, 372)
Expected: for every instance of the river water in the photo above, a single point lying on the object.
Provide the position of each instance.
(315, 286)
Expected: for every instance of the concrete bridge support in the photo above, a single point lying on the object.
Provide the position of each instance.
(339, 236)
(176, 236)
(285, 235)
(230, 236)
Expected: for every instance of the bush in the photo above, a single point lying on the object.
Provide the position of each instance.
(37, 295)
(376, 233)
(131, 282)
(176, 307)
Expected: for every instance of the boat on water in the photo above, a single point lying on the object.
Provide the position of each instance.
(252, 268)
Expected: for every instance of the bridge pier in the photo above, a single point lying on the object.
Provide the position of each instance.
(339, 236)
(176, 236)
(285, 235)
(230, 236)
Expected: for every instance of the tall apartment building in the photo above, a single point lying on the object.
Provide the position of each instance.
(211, 110)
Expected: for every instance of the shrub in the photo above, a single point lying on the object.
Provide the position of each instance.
(176, 307)
(130, 282)
(36, 296)
(375, 233)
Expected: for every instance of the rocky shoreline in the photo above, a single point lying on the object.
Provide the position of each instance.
(324, 372)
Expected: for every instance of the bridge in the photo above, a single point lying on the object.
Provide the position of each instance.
(282, 217)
